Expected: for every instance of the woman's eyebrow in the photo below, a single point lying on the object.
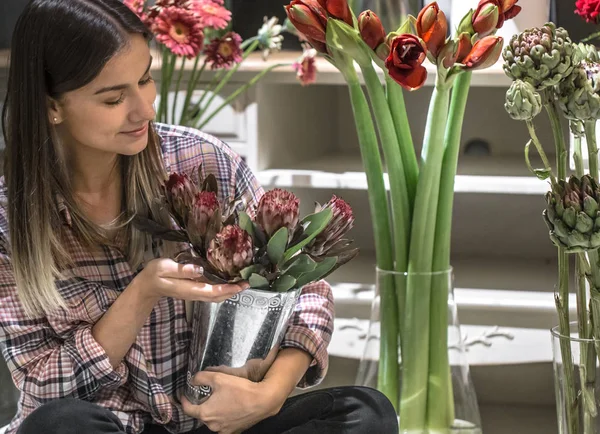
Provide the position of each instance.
(121, 86)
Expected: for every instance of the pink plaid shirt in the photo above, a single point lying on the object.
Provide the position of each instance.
(57, 357)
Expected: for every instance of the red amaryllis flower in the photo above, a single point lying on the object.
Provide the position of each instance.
(224, 52)
(432, 28)
(309, 17)
(507, 9)
(305, 67)
(485, 18)
(588, 9)
(371, 29)
(405, 61)
(211, 13)
(484, 53)
(180, 31)
(338, 9)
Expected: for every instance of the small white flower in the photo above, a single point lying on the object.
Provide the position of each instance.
(270, 37)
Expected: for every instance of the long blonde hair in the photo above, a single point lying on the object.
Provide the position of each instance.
(59, 46)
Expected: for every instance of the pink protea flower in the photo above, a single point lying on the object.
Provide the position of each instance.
(224, 52)
(305, 67)
(180, 31)
(231, 250)
(205, 205)
(180, 192)
(212, 13)
(277, 208)
(341, 222)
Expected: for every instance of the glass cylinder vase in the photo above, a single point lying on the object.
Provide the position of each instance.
(576, 381)
(435, 393)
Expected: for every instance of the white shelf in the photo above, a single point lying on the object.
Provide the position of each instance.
(499, 175)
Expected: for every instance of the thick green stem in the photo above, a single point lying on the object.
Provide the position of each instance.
(395, 97)
(226, 79)
(540, 150)
(378, 203)
(563, 275)
(413, 402)
(590, 138)
(179, 77)
(163, 83)
(440, 405)
(238, 92)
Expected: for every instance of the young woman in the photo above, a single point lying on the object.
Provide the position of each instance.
(92, 312)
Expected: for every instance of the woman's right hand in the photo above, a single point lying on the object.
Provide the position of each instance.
(166, 278)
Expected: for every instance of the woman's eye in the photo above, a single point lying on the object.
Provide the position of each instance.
(117, 102)
(146, 80)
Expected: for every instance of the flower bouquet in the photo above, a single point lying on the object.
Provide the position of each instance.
(270, 247)
(199, 31)
(551, 73)
(413, 249)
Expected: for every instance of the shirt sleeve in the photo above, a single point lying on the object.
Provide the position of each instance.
(46, 364)
(311, 325)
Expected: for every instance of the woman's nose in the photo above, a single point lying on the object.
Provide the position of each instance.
(143, 109)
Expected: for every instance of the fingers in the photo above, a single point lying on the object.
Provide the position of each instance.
(172, 269)
(197, 291)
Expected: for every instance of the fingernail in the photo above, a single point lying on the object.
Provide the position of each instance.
(198, 270)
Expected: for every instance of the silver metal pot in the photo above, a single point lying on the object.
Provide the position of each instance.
(239, 336)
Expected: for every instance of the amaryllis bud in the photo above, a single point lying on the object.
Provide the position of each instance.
(205, 205)
(455, 50)
(484, 53)
(277, 208)
(432, 28)
(405, 62)
(309, 17)
(338, 9)
(371, 29)
(180, 192)
(485, 18)
(231, 250)
(508, 10)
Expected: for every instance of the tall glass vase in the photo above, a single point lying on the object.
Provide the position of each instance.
(391, 12)
(576, 382)
(453, 392)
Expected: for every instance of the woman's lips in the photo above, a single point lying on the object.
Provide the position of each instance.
(137, 133)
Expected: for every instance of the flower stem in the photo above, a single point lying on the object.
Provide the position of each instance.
(179, 77)
(395, 97)
(378, 203)
(413, 402)
(440, 405)
(226, 79)
(590, 37)
(590, 138)
(540, 149)
(163, 83)
(239, 91)
(194, 76)
(562, 299)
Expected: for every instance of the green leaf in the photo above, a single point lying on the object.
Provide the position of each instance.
(246, 224)
(258, 282)
(313, 226)
(248, 271)
(300, 264)
(321, 270)
(539, 173)
(284, 283)
(277, 244)
(159, 231)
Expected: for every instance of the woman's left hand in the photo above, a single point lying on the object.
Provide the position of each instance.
(235, 404)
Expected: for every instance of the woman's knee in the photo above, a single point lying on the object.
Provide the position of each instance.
(375, 409)
(70, 416)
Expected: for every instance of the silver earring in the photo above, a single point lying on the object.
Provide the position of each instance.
(55, 120)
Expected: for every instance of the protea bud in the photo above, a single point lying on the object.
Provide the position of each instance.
(230, 251)
(277, 208)
(371, 29)
(341, 222)
(180, 192)
(205, 205)
(540, 56)
(523, 103)
(579, 94)
(572, 214)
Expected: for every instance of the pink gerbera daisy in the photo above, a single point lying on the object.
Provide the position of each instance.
(212, 13)
(224, 52)
(136, 6)
(180, 31)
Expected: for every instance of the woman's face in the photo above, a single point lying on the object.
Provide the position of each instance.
(111, 113)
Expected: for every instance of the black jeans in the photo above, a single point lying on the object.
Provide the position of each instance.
(340, 410)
